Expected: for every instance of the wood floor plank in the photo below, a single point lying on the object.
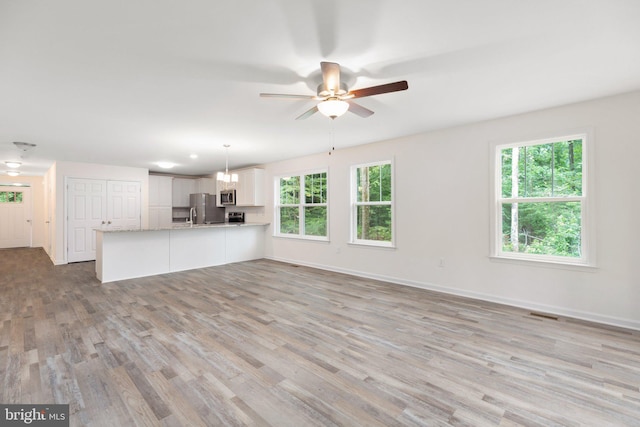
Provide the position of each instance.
(263, 343)
(135, 402)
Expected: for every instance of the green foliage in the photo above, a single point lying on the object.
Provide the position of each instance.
(315, 220)
(374, 222)
(10, 196)
(290, 190)
(544, 170)
(544, 228)
(315, 188)
(374, 186)
(289, 220)
(293, 208)
(374, 183)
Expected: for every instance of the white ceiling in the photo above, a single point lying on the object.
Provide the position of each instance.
(134, 82)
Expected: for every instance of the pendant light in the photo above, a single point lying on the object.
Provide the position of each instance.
(227, 181)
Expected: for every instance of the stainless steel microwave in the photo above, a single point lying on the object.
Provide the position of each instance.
(227, 197)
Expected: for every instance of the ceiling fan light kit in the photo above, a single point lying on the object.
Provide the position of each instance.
(335, 98)
(333, 107)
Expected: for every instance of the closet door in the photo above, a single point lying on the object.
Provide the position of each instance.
(95, 203)
(123, 205)
(86, 211)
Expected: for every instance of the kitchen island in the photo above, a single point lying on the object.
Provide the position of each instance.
(127, 254)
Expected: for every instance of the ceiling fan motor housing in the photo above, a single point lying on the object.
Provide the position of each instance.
(324, 92)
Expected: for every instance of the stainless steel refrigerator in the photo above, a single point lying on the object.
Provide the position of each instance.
(204, 209)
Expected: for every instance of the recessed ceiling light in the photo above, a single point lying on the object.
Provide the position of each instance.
(166, 165)
(193, 156)
(13, 164)
(13, 173)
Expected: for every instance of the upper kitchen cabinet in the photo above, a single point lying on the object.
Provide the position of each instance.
(206, 185)
(182, 188)
(160, 201)
(160, 190)
(250, 187)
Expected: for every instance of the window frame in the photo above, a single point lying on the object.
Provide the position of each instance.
(18, 197)
(587, 231)
(353, 239)
(301, 206)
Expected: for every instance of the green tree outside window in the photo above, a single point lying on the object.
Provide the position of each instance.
(373, 203)
(542, 198)
(303, 205)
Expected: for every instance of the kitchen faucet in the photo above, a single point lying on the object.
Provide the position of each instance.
(192, 214)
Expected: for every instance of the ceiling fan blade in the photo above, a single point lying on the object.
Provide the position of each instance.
(307, 113)
(331, 76)
(284, 95)
(359, 109)
(377, 90)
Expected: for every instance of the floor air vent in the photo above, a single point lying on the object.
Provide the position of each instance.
(543, 315)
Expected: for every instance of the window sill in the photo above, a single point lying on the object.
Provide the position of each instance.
(306, 238)
(373, 244)
(543, 263)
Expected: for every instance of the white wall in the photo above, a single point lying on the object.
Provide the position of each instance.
(37, 197)
(442, 211)
(62, 170)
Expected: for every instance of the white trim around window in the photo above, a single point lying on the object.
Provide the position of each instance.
(296, 205)
(585, 199)
(386, 201)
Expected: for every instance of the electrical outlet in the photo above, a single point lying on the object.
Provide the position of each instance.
(441, 263)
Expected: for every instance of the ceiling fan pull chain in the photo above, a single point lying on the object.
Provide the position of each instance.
(333, 138)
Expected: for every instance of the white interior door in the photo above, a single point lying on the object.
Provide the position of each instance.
(15, 217)
(86, 211)
(48, 214)
(123, 205)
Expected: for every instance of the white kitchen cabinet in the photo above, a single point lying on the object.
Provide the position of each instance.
(206, 185)
(244, 244)
(160, 216)
(250, 187)
(160, 190)
(129, 254)
(182, 188)
(160, 200)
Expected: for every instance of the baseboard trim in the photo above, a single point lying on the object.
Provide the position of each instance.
(527, 305)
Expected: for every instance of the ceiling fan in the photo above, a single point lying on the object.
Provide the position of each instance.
(335, 98)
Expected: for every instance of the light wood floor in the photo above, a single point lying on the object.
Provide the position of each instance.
(267, 343)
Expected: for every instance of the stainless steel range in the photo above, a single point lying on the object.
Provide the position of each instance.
(236, 216)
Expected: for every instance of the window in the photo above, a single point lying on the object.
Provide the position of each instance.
(542, 200)
(372, 204)
(301, 206)
(10, 196)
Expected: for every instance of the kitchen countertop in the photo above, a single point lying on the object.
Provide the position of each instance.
(184, 226)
